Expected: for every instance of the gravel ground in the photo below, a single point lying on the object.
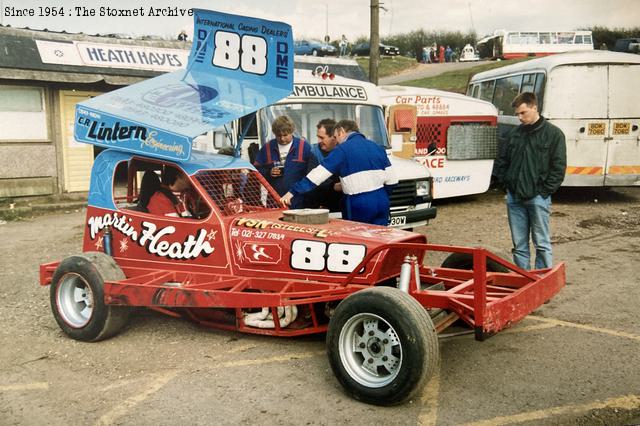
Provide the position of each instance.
(575, 361)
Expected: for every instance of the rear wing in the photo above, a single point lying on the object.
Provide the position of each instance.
(237, 65)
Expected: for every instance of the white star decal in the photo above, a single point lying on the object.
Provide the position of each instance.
(124, 245)
(211, 235)
(98, 243)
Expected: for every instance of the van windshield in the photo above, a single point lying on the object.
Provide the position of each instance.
(306, 116)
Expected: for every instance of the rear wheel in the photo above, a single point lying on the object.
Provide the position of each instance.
(77, 297)
(314, 52)
(382, 346)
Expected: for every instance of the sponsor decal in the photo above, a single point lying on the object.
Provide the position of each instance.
(426, 105)
(180, 96)
(260, 253)
(266, 224)
(154, 240)
(121, 134)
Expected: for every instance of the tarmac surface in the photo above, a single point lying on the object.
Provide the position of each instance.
(427, 70)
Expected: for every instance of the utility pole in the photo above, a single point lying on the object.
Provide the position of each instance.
(326, 28)
(374, 41)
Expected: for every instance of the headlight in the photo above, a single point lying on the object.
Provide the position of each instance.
(422, 188)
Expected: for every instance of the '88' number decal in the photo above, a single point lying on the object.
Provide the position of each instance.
(318, 256)
(249, 53)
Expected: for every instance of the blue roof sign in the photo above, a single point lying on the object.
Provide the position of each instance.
(237, 65)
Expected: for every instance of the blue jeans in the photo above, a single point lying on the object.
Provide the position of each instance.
(530, 217)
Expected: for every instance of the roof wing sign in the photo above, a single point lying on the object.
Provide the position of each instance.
(237, 65)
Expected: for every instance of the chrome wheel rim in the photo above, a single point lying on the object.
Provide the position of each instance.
(370, 350)
(74, 300)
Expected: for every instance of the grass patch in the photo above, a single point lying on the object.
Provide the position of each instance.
(456, 81)
(389, 65)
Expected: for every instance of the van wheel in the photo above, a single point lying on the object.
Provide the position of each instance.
(382, 346)
(314, 52)
(465, 261)
(77, 297)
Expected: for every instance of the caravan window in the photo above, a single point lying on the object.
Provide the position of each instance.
(486, 90)
(506, 90)
(534, 82)
(528, 83)
(545, 38)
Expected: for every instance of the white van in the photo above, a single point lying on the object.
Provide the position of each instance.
(321, 94)
(454, 135)
(591, 96)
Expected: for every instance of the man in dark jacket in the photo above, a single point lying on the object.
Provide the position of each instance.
(531, 167)
(328, 194)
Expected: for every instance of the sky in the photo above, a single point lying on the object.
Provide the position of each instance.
(315, 18)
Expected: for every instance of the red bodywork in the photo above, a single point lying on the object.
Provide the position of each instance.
(217, 269)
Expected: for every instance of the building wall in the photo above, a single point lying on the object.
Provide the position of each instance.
(28, 158)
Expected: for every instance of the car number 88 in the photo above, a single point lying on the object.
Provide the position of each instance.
(335, 257)
(248, 53)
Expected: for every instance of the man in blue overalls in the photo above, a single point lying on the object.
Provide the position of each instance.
(285, 160)
(365, 173)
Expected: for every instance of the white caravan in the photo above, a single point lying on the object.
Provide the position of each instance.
(591, 96)
(453, 135)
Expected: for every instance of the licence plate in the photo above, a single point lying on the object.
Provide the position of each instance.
(596, 129)
(398, 221)
(621, 128)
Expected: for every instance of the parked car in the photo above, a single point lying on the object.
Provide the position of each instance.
(628, 45)
(362, 49)
(314, 48)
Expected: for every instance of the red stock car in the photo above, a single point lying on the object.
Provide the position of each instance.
(238, 261)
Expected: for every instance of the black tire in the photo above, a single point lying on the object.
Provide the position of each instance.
(465, 261)
(401, 346)
(77, 297)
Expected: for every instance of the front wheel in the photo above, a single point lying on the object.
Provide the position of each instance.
(77, 297)
(382, 346)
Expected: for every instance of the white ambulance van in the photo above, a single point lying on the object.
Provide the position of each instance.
(455, 136)
(591, 96)
(319, 94)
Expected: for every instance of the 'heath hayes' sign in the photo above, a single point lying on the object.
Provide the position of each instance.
(106, 55)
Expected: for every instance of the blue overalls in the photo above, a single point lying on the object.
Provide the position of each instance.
(300, 160)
